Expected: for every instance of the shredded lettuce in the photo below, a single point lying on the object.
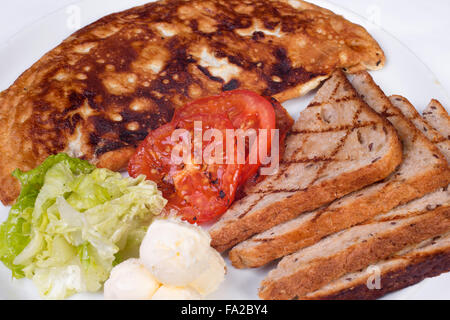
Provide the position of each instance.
(72, 223)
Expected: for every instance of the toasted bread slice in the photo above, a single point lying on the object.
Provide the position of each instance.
(437, 116)
(356, 248)
(337, 146)
(411, 113)
(428, 259)
(410, 266)
(423, 170)
(435, 124)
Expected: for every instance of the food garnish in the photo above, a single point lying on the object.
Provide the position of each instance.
(72, 222)
(176, 262)
(197, 190)
(130, 280)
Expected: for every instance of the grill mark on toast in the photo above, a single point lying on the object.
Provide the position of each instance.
(263, 240)
(329, 98)
(333, 93)
(335, 151)
(387, 114)
(250, 208)
(308, 160)
(439, 140)
(335, 129)
(339, 100)
(415, 136)
(339, 146)
(343, 139)
(282, 169)
(275, 191)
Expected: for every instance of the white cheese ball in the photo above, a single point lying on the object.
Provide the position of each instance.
(210, 280)
(174, 293)
(130, 280)
(175, 252)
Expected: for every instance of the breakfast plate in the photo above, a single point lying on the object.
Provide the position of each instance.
(403, 74)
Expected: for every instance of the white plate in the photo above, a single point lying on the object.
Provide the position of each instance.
(404, 74)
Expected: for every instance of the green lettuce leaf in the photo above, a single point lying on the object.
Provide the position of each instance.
(16, 232)
(72, 223)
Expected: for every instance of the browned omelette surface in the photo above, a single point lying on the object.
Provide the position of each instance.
(99, 93)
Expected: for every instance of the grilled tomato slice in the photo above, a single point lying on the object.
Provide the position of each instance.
(201, 181)
(246, 110)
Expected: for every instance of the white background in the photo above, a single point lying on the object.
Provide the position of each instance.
(424, 26)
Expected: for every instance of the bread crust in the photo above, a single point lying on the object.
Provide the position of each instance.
(400, 278)
(438, 117)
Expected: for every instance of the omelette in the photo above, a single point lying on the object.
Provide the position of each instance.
(101, 91)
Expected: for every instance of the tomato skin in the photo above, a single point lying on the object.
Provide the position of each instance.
(284, 124)
(202, 192)
(152, 159)
(208, 201)
(209, 189)
(240, 105)
(198, 193)
(246, 110)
